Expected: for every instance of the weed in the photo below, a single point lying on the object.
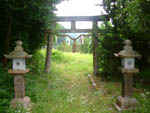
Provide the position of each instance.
(67, 88)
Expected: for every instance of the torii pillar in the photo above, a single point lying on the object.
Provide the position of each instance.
(95, 46)
(74, 46)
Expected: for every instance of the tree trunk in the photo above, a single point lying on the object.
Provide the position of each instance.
(45, 35)
(7, 39)
(95, 46)
(48, 54)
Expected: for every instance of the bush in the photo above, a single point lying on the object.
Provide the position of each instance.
(87, 46)
(36, 65)
(64, 47)
(6, 89)
(144, 102)
(57, 55)
(144, 77)
(37, 62)
(108, 63)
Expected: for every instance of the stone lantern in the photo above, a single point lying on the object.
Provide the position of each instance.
(18, 71)
(128, 56)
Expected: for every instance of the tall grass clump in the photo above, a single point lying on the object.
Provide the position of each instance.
(7, 92)
(6, 89)
(36, 66)
(143, 105)
(57, 55)
(41, 87)
(64, 47)
(87, 46)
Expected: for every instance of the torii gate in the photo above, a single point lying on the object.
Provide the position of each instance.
(95, 32)
(74, 40)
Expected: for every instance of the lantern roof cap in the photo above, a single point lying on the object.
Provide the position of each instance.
(128, 51)
(18, 52)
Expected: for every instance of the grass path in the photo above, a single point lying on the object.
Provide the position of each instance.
(68, 90)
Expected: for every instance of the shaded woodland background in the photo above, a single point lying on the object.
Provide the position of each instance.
(28, 21)
(130, 20)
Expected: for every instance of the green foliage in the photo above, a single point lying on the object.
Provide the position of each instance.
(138, 15)
(109, 44)
(144, 102)
(65, 83)
(66, 86)
(36, 63)
(17, 110)
(129, 21)
(27, 21)
(64, 47)
(144, 77)
(87, 46)
(6, 89)
(57, 55)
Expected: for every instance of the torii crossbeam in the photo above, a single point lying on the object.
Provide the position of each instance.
(74, 19)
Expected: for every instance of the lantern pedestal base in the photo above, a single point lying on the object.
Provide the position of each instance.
(125, 103)
(24, 102)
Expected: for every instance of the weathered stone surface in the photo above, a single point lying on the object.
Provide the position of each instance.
(21, 102)
(127, 85)
(18, 52)
(125, 103)
(130, 71)
(19, 55)
(128, 51)
(19, 86)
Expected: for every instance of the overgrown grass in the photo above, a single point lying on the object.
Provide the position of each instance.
(6, 89)
(67, 88)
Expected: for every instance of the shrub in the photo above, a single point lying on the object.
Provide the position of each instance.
(64, 47)
(36, 65)
(6, 89)
(144, 102)
(108, 63)
(87, 46)
(57, 55)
